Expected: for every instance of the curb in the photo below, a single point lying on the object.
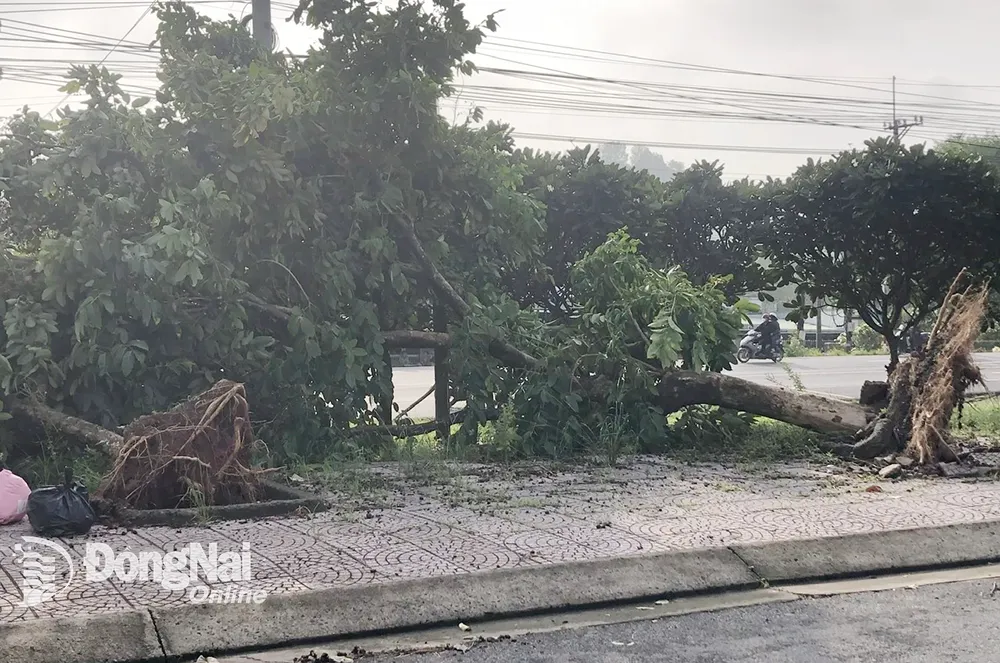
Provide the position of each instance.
(280, 500)
(185, 632)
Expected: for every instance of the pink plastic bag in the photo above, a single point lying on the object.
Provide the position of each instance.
(14, 493)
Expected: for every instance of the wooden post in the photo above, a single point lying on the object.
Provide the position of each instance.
(385, 412)
(387, 396)
(442, 402)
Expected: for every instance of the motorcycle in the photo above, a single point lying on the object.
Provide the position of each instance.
(752, 347)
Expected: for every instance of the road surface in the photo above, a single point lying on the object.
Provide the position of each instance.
(841, 376)
(957, 622)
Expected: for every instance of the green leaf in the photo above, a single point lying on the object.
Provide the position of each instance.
(140, 102)
(307, 327)
(71, 87)
(166, 210)
(128, 363)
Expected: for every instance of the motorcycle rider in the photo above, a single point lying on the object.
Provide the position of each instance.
(769, 330)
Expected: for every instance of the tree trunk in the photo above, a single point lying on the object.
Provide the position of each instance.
(73, 427)
(893, 344)
(823, 415)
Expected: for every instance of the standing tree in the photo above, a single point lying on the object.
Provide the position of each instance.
(586, 199)
(711, 228)
(884, 231)
(986, 147)
(641, 157)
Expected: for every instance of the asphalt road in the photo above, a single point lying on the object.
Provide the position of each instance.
(841, 376)
(957, 622)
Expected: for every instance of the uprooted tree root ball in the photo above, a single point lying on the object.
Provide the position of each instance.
(195, 454)
(926, 388)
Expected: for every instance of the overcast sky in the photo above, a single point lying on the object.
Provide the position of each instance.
(760, 86)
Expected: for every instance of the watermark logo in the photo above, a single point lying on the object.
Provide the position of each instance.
(206, 576)
(38, 559)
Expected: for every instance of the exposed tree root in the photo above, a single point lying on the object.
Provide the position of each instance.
(196, 454)
(926, 388)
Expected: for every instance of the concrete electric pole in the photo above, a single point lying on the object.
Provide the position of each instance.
(262, 23)
(897, 126)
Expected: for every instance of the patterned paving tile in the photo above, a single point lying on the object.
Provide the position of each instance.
(481, 519)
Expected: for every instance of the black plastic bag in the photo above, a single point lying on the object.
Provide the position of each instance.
(61, 510)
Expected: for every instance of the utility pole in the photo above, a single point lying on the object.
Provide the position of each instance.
(818, 305)
(897, 126)
(849, 329)
(262, 23)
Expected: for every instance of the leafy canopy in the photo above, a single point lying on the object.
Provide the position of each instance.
(885, 230)
(239, 226)
(243, 225)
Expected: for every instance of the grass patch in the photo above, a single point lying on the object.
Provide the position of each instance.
(710, 434)
(770, 441)
(980, 418)
(42, 463)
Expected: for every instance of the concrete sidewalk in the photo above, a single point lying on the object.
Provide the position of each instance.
(414, 522)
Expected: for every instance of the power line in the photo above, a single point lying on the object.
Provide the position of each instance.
(580, 94)
(108, 54)
(672, 64)
(761, 149)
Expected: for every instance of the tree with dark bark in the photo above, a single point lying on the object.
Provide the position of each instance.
(883, 231)
(585, 199)
(697, 222)
(640, 157)
(711, 228)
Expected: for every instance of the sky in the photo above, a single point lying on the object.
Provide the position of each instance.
(759, 86)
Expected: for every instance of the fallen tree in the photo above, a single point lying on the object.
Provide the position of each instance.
(924, 390)
(282, 244)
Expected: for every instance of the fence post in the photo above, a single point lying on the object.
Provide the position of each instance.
(442, 401)
(388, 390)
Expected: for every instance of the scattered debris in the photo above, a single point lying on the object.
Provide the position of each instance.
(873, 489)
(645, 607)
(960, 471)
(663, 602)
(207, 659)
(905, 461)
(313, 657)
(295, 478)
(891, 471)
(603, 525)
(464, 627)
